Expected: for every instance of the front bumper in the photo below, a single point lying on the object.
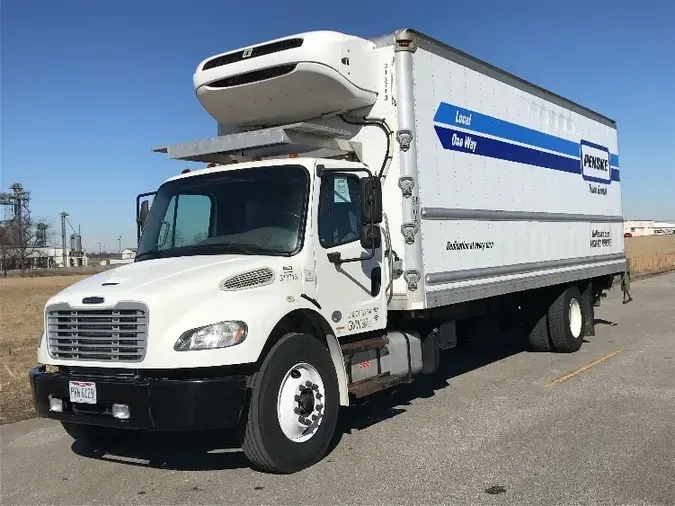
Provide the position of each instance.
(154, 402)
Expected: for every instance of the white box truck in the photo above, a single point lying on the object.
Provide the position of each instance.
(362, 199)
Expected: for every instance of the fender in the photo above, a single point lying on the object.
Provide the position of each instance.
(333, 346)
(339, 363)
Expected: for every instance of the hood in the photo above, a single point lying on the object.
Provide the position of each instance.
(165, 275)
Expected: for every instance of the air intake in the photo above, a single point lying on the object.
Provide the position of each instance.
(248, 279)
(254, 52)
(252, 77)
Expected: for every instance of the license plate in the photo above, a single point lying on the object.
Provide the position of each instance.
(83, 392)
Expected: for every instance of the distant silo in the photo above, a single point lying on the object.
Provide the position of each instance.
(41, 235)
(76, 243)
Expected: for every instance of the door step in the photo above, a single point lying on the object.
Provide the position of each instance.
(368, 386)
(364, 345)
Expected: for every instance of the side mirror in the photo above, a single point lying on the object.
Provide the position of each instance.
(371, 200)
(143, 214)
(142, 209)
(371, 237)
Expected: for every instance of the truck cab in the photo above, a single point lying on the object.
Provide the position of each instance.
(247, 278)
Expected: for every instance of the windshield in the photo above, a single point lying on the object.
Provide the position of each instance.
(249, 211)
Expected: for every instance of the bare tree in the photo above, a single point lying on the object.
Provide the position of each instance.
(23, 243)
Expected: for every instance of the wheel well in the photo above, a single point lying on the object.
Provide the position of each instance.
(305, 321)
(310, 322)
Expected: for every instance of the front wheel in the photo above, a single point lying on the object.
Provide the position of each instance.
(294, 406)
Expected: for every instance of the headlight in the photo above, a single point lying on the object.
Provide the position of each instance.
(218, 335)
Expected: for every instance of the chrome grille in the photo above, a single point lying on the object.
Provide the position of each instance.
(118, 334)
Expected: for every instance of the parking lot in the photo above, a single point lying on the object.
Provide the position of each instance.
(500, 426)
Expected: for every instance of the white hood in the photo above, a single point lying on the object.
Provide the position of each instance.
(183, 293)
(162, 275)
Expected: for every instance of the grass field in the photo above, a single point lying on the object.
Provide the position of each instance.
(651, 254)
(22, 302)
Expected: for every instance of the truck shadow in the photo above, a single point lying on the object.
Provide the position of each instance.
(468, 356)
(180, 451)
(220, 450)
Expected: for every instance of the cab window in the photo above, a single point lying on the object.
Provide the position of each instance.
(339, 210)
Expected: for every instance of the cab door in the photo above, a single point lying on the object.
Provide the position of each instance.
(350, 290)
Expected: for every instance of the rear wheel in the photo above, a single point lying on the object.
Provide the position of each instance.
(294, 406)
(97, 436)
(535, 314)
(566, 321)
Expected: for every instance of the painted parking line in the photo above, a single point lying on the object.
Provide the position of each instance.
(569, 375)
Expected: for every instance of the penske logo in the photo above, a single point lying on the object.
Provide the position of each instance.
(595, 163)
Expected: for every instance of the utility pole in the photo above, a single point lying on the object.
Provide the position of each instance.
(99, 248)
(64, 239)
(119, 245)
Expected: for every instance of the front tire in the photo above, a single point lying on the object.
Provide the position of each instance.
(566, 321)
(294, 406)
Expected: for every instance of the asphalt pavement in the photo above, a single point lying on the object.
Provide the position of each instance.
(500, 426)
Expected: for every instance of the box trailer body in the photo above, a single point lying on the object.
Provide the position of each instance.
(423, 187)
(517, 188)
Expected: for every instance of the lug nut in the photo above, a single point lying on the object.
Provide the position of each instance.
(298, 398)
(314, 417)
(319, 396)
(297, 411)
(309, 384)
(319, 407)
(315, 388)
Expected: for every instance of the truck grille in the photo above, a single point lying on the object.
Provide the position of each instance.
(118, 335)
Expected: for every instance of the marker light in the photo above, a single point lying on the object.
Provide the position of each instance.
(294, 155)
(185, 171)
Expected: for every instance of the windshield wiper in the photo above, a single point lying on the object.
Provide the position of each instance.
(232, 245)
(153, 251)
(249, 249)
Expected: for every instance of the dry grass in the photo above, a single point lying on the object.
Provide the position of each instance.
(22, 303)
(651, 254)
(70, 271)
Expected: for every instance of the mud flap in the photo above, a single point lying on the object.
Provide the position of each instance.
(588, 309)
(625, 283)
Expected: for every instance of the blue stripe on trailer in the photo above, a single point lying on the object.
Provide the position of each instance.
(452, 115)
(474, 144)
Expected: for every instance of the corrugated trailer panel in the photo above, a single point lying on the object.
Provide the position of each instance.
(504, 201)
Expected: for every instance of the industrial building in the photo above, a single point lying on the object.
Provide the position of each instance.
(25, 244)
(53, 258)
(638, 228)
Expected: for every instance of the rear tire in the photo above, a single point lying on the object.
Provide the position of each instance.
(567, 321)
(96, 436)
(535, 315)
(294, 406)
